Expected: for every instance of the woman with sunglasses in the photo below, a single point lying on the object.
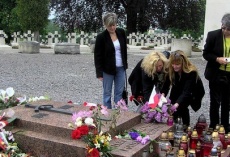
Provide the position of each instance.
(182, 78)
(217, 53)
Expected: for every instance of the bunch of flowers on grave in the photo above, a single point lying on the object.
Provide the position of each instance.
(9, 99)
(8, 145)
(87, 125)
(157, 109)
(134, 135)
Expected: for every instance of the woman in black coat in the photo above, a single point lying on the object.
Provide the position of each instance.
(217, 72)
(149, 72)
(110, 57)
(182, 77)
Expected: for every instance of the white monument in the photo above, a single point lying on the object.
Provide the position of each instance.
(213, 14)
(3, 45)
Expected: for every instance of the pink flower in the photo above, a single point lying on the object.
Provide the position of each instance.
(158, 117)
(164, 108)
(145, 139)
(139, 139)
(104, 110)
(122, 105)
(81, 114)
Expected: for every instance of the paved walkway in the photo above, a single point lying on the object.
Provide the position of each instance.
(70, 77)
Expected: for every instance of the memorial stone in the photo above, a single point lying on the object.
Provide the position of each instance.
(2, 37)
(73, 38)
(66, 48)
(50, 38)
(56, 37)
(183, 45)
(82, 38)
(29, 47)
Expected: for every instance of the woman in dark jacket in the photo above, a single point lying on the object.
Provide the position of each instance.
(149, 72)
(182, 77)
(110, 57)
(217, 72)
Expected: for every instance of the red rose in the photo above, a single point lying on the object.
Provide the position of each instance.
(93, 153)
(76, 134)
(84, 129)
(131, 97)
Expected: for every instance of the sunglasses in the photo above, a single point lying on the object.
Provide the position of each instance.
(225, 28)
(175, 54)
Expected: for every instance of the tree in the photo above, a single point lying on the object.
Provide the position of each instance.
(33, 15)
(184, 16)
(136, 15)
(8, 18)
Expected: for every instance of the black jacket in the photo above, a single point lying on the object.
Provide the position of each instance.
(104, 52)
(135, 80)
(213, 48)
(181, 90)
(142, 84)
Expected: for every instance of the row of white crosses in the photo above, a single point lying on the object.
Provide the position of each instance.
(52, 38)
(84, 37)
(29, 36)
(155, 39)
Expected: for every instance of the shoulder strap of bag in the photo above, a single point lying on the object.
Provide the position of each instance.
(125, 81)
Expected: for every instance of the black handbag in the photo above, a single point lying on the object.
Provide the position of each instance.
(125, 92)
(197, 95)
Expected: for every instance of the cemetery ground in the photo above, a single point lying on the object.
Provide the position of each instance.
(71, 77)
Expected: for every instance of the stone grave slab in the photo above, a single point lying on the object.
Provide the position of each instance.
(131, 148)
(47, 133)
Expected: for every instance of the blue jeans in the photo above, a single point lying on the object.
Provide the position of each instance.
(119, 84)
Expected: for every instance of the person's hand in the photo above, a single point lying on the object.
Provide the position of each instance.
(174, 107)
(221, 60)
(100, 78)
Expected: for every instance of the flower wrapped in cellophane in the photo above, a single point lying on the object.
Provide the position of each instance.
(157, 109)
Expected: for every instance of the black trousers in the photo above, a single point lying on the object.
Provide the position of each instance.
(220, 97)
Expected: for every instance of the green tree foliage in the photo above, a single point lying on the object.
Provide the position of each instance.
(33, 15)
(8, 18)
(184, 16)
(136, 15)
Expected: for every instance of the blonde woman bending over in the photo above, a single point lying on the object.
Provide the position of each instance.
(149, 72)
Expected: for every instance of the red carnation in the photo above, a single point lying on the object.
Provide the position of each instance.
(84, 129)
(70, 102)
(76, 134)
(93, 153)
(131, 97)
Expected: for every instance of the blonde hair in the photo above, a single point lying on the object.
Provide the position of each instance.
(109, 19)
(149, 63)
(179, 57)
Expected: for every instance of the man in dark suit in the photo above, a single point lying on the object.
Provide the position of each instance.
(217, 72)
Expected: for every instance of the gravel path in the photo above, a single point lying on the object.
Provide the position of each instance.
(68, 77)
